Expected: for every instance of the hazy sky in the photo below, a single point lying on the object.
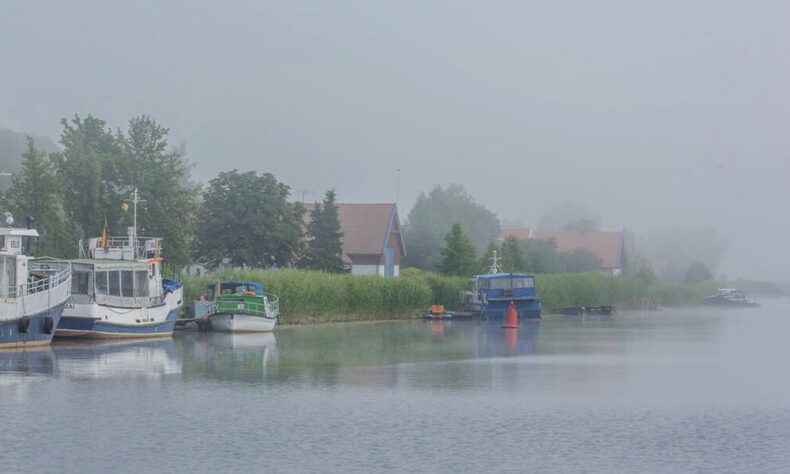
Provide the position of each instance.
(652, 114)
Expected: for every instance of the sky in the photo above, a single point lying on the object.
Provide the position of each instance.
(653, 115)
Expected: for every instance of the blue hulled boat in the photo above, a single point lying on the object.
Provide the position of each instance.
(490, 295)
(33, 292)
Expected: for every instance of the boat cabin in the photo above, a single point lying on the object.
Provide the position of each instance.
(121, 283)
(491, 294)
(229, 288)
(14, 263)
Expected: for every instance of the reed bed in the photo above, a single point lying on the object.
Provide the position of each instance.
(308, 296)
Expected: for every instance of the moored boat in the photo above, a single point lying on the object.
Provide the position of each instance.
(34, 291)
(490, 295)
(729, 297)
(118, 289)
(241, 306)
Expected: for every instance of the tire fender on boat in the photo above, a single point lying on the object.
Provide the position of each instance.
(48, 325)
(24, 324)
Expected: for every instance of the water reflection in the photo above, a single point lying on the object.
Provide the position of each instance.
(24, 365)
(228, 356)
(117, 358)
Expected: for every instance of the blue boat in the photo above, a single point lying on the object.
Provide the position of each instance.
(33, 292)
(490, 295)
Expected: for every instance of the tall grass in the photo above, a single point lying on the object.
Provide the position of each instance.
(317, 296)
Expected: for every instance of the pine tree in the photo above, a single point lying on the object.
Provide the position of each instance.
(324, 250)
(513, 256)
(33, 192)
(458, 253)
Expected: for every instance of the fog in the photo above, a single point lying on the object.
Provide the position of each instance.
(653, 115)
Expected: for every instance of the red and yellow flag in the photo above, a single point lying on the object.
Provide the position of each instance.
(104, 233)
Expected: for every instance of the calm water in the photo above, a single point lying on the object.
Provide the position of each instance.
(681, 390)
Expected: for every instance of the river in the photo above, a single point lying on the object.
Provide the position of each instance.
(703, 390)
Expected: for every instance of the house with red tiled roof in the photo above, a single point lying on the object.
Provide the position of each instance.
(372, 240)
(607, 246)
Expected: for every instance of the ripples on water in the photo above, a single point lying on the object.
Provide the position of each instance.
(680, 390)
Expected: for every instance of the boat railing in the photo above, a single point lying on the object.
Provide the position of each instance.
(44, 274)
(270, 307)
(112, 246)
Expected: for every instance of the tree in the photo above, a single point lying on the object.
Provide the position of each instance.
(246, 219)
(12, 146)
(678, 248)
(569, 217)
(513, 256)
(457, 254)
(580, 260)
(88, 171)
(34, 192)
(324, 250)
(696, 273)
(433, 216)
(541, 255)
(162, 178)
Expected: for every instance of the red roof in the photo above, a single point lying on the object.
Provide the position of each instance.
(604, 245)
(365, 227)
(520, 234)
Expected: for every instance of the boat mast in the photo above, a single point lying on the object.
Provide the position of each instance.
(135, 198)
(494, 268)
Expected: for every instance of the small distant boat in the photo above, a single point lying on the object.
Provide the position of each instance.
(34, 291)
(490, 295)
(241, 306)
(729, 297)
(582, 310)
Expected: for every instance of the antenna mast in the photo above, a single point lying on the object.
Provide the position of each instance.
(134, 199)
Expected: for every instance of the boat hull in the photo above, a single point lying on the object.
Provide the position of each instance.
(36, 334)
(240, 322)
(95, 321)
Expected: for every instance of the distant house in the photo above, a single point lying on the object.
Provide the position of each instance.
(372, 240)
(607, 246)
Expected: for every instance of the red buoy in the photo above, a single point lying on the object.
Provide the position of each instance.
(511, 317)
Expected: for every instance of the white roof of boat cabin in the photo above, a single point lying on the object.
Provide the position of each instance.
(18, 231)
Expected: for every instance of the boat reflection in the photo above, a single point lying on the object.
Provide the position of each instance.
(118, 358)
(21, 365)
(228, 356)
(496, 341)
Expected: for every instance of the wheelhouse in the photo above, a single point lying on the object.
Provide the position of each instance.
(229, 288)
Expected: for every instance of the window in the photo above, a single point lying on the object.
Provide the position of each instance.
(510, 283)
(127, 283)
(101, 283)
(141, 283)
(10, 277)
(114, 282)
(79, 283)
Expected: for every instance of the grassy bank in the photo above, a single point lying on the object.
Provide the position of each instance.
(307, 296)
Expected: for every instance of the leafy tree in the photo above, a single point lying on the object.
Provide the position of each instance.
(88, 171)
(541, 255)
(580, 260)
(162, 178)
(696, 273)
(679, 247)
(457, 254)
(34, 192)
(12, 146)
(569, 217)
(513, 256)
(246, 218)
(433, 216)
(647, 275)
(324, 250)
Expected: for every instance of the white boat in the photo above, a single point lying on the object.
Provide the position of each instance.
(242, 306)
(118, 290)
(33, 292)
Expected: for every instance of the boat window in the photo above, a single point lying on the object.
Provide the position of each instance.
(510, 283)
(141, 283)
(79, 283)
(10, 277)
(101, 283)
(127, 283)
(113, 276)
